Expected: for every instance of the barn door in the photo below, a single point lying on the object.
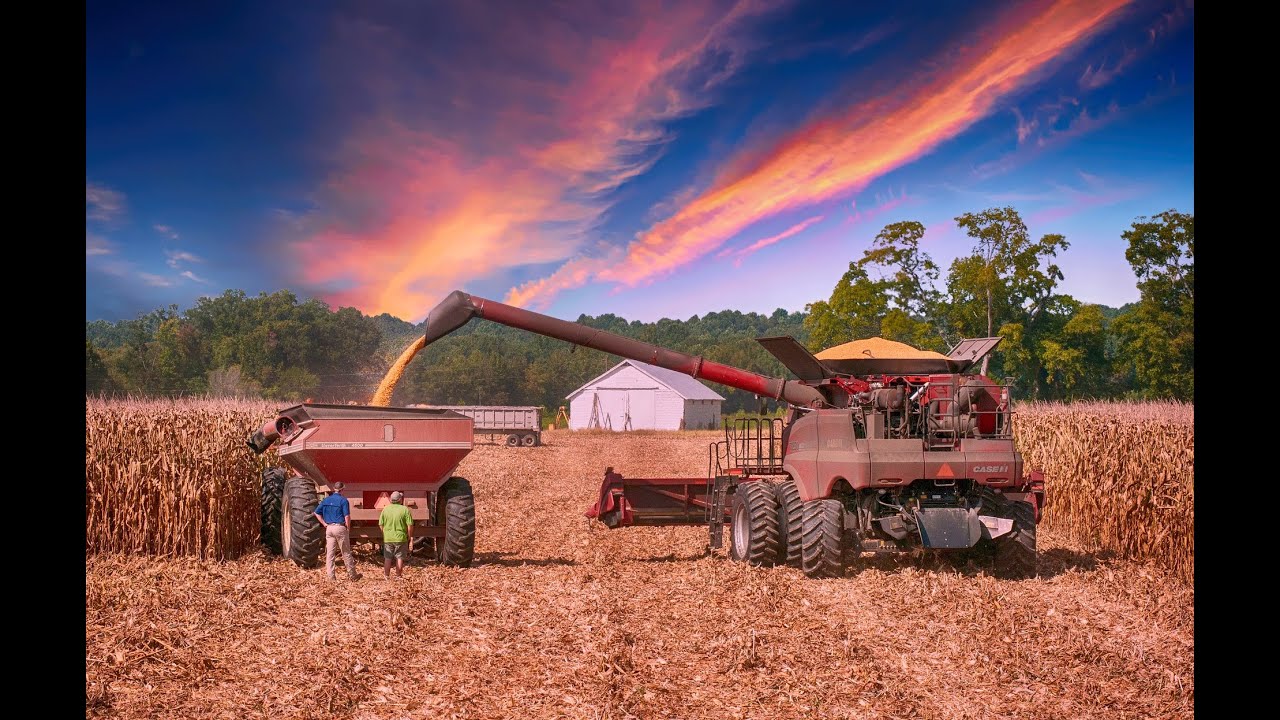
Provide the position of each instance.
(643, 412)
(623, 404)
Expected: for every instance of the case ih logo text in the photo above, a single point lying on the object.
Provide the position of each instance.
(991, 468)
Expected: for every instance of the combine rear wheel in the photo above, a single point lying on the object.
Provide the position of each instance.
(1014, 553)
(790, 523)
(754, 524)
(272, 498)
(301, 534)
(823, 551)
(456, 511)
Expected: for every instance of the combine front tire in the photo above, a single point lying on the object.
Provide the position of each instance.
(272, 498)
(754, 524)
(1014, 553)
(822, 539)
(790, 523)
(456, 511)
(301, 534)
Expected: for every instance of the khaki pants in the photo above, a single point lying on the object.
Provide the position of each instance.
(336, 536)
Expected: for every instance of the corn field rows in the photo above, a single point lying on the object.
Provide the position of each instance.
(1119, 476)
(175, 477)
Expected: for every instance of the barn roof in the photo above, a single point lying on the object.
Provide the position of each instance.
(683, 385)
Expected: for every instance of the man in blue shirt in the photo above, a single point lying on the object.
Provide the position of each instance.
(334, 512)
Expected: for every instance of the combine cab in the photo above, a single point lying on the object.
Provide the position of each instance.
(374, 451)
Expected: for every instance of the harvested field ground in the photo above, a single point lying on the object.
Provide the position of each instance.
(563, 618)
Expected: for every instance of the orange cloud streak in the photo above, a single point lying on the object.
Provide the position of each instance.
(766, 242)
(837, 155)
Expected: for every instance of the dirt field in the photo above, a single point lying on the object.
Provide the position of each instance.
(561, 618)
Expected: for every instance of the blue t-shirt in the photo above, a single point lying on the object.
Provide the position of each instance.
(334, 509)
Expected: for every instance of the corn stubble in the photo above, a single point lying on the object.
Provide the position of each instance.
(561, 618)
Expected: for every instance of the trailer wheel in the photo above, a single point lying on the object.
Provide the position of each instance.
(823, 550)
(753, 528)
(1013, 555)
(790, 523)
(513, 440)
(272, 497)
(456, 511)
(301, 534)
(528, 440)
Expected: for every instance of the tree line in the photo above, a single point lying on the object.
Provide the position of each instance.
(279, 346)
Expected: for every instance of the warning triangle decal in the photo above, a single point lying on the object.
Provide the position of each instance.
(945, 471)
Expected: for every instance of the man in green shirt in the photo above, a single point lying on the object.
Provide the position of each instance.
(397, 534)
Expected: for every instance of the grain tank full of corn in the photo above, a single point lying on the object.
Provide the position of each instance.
(885, 449)
(373, 451)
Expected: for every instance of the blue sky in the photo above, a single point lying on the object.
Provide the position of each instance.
(645, 159)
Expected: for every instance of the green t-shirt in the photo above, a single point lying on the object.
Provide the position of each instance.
(395, 521)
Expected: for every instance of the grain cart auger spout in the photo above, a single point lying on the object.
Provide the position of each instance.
(885, 449)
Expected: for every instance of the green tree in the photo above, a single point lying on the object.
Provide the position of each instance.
(1157, 337)
(1075, 361)
(96, 375)
(1006, 287)
(890, 291)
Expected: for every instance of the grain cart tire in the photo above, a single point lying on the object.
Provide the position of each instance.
(753, 529)
(513, 440)
(424, 547)
(528, 440)
(1013, 555)
(456, 511)
(272, 497)
(790, 523)
(301, 534)
(823, 551)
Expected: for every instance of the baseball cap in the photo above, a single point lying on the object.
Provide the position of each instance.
(397, 496)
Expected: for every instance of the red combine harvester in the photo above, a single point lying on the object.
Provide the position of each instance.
(876, 455)
(374, 451)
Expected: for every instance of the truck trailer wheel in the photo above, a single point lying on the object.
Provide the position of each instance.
(272, 497)
(456, 511)
(301, 534)
(1013, 555)
(753, 528)
(790, 523)
(822, 542)
(513, 440)
(528, 441)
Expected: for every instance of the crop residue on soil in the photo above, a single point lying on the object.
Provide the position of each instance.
(563, 618)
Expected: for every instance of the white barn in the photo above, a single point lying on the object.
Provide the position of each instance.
(637, 396)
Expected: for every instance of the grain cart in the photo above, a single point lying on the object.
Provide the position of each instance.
(876, 455)
(374, 451)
